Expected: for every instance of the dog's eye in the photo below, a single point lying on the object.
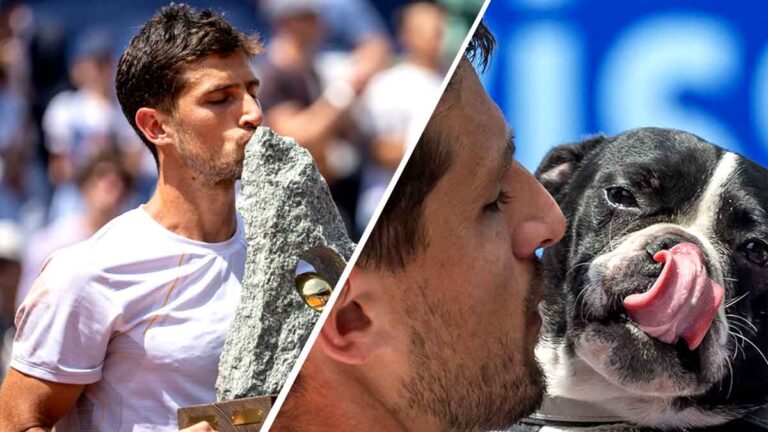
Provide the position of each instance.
(756, 251)
(620, 197)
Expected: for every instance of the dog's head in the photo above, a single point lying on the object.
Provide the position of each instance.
(660, 282)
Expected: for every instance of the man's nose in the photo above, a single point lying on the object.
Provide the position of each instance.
(543, 223)
(252, 115)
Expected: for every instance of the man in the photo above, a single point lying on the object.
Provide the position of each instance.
(436, 327)
(122, 329)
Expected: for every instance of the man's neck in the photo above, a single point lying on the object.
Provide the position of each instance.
(199, 212)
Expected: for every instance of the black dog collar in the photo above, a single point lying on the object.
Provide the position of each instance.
(563, 414)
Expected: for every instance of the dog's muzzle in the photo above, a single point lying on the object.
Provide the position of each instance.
(683, 301)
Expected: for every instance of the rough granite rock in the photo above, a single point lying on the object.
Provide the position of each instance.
(288, 214)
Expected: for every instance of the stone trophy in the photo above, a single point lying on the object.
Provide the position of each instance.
(288, 215)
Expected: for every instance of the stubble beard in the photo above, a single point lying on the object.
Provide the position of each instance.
(213, 168)
(505, 386)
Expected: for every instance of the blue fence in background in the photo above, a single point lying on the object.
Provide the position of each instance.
(568, 68)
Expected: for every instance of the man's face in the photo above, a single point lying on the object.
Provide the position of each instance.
(468, 299)
(215, 116)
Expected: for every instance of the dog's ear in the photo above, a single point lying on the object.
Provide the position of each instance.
(559, 165)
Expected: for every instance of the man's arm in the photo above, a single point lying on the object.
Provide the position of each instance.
(29, 404)
(33, 404)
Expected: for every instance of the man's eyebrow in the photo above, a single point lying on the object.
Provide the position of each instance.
(511, 141)
(509, 155)
(504, 158)
(252, 83)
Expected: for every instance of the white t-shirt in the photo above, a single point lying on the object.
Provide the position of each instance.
(59, 234)
(138, 314)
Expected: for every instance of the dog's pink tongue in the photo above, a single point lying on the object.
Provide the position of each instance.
(682, 302)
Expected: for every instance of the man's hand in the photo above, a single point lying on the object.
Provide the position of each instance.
(30, 404)
(199, 427)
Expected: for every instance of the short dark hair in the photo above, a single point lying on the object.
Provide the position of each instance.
(149, 73)
(399, 233)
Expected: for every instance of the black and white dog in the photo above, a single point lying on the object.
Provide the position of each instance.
(657, 311)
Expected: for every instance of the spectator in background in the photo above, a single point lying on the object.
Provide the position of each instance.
(23, 188)
(15, 33)
(79, 123)
(399, 100)
(296, 104)
(355, 36)
(17, 186)
(104, 184)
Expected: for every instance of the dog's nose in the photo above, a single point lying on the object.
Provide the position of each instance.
(664, 242)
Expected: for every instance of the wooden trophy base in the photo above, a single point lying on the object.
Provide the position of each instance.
(239, 415)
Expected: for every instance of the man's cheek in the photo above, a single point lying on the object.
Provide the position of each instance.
(497, 256)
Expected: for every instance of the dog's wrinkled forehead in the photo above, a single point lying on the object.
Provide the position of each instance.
(674, 175)
(663, 150)
(668, 167)
(684, 166)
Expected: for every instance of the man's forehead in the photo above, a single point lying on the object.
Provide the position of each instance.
(214, 69)
(466, 113)
(472, 128)
(463, 69)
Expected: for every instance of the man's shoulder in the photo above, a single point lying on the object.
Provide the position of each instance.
(135, 236)
(129, 227)
(124, 236)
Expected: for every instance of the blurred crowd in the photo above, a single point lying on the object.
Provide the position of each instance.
(351, 85)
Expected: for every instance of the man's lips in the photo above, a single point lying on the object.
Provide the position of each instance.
(537, 288)
(534, 319)
(536, 292)
(244, 140)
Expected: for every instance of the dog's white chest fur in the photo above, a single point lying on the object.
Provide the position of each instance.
(595, 399)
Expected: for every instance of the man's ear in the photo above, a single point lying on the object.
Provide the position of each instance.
(356, 326)
(560, 164)
(153, 124)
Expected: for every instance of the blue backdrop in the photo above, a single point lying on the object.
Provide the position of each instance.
(568, 68)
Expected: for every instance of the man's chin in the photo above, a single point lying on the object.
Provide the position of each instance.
(229, 177)
(529, 395)
(538, 388)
